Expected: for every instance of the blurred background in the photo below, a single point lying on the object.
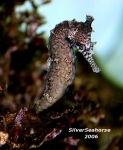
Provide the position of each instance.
(92, 101)
(108, 27)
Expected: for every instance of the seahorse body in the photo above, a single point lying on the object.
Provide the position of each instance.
(61, 73)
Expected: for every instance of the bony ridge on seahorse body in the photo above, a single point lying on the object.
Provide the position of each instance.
(61, 73)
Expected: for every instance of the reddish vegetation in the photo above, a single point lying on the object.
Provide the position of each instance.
(90, 102)
(17, 127)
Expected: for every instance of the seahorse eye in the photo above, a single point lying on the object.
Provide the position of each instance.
(80, 46)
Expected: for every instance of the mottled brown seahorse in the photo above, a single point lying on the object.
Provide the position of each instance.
(63, 39)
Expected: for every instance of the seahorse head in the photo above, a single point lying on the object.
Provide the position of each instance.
(80, 38)
(83, 36)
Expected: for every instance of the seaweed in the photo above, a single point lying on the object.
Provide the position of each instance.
(91, 102)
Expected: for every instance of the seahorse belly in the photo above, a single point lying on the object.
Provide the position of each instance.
(61, 71)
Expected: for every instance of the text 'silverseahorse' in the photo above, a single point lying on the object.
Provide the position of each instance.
(63, 39)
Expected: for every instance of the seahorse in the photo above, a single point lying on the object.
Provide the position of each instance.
(66, 36)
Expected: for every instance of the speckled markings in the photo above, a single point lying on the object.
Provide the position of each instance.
(61, 73)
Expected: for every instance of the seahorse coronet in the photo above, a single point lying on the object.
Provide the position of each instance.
(66, 36)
